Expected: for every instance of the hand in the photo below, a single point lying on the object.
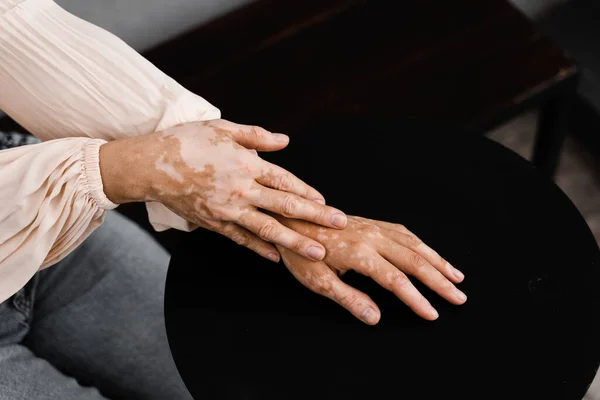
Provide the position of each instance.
(384, 251)
(210, 174)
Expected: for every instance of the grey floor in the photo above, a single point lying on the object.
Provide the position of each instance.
(578, 176)
(574, 26)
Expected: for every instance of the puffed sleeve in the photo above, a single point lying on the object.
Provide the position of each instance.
(51, 199)
(61, 76)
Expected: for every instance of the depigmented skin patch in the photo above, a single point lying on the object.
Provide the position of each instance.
(201, 174)
(219, 174)
(168, 168)
(207, 178)
(386, 252)
(347, 249)
(207, 175)
(210, 174)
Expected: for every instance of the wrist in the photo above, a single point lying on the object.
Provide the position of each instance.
(124, 176)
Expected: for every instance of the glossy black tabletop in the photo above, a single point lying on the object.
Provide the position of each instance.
(241, 327)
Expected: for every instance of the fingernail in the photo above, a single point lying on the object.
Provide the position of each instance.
(460, 295)
(280, 137)
(457, 274)
(434, 313)
(338, 220)
(369, 316)
(316, 253)
(320, 201)
(273, 257)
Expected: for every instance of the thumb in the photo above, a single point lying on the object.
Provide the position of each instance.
(257, 138)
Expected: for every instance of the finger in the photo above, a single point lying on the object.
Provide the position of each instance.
(254, 137)
(415, 244)
(319, 278)
(326, 283)
(292, 206)
(394, 280)
(248, 239)
(416, 265)
(358, 303)
(270, 230)
(275, 177)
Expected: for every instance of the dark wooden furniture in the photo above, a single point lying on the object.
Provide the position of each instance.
(574, 26)
(468, 63)
(240, 327)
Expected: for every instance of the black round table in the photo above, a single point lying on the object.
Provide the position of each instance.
(241, 327)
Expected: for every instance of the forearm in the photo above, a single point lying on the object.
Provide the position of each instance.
(62, 76)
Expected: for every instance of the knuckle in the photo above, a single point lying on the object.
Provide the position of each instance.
(370, 230)
(323, 214)
(299, 244)
(289, 205)
(401, 228)
(417, 261)
(413, 241)
(400, 281)
(255, 133)
(370, 266)
(320, 285)
(284, 182)
(241, 239)
(215, 226)
(348, 301)
(221, 214)
(268, 230)
(360, 248)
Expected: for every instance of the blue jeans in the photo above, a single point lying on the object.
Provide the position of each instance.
(92, 326)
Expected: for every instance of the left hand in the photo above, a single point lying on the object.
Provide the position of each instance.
(211, 174)
(384, 251)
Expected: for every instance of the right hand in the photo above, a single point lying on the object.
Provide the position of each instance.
(384, 251)
(210, 174)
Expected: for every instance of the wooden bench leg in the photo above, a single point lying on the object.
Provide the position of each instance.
(551, 134)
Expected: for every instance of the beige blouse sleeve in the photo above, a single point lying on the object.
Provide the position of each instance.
(75, 86)
(51, 199)
(61, 76)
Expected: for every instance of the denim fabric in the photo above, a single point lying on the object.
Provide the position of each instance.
(14, 139)
(92, 326)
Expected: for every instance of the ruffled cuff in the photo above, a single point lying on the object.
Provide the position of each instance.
(92, 176)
